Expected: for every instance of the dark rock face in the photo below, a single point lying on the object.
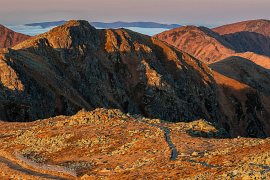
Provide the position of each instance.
(75, 66)
(9, 38)
(251, 110)
(239, 109)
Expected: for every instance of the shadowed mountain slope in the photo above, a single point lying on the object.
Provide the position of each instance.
(245, 71)
(249, 41)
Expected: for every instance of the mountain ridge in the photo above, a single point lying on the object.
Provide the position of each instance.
(260, 26)
(200, 42)
(212, 46)
(76, 66)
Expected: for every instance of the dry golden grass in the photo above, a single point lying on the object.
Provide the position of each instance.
(109, 144)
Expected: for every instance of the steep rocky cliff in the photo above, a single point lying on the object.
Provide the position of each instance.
(75, 66)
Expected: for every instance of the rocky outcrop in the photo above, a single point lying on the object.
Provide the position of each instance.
(75, 67)
(9, 38)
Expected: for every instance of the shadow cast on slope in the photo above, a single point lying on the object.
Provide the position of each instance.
(37, 97)
(244, 71)
(20, 106)
(217, 36)
(249, 41)
(10, 107)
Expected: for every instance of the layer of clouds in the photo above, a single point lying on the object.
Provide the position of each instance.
(35, 30)
(30, 30)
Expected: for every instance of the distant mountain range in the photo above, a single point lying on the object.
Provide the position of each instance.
(118, 24)
(212, 45)
(47, 24)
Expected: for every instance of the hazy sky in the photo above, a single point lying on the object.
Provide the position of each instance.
(200, 12)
